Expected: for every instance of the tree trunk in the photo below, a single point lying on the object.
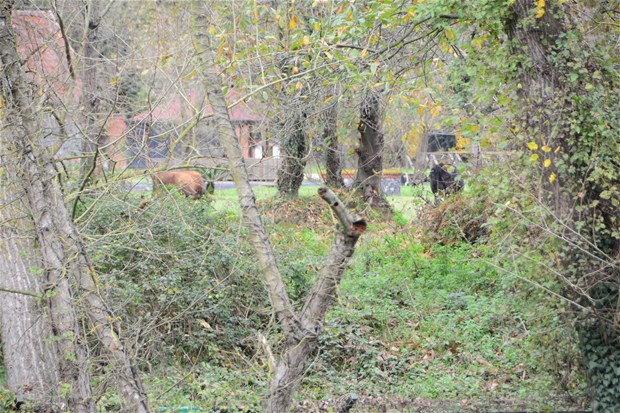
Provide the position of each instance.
(291, 366)
(294, 156)
(30, 358)
(21, 170)
(333, 159)
(370, 151)
(560, 115)
(300, 330)
(64, 262)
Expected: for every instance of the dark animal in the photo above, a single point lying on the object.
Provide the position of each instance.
(143, 203)
(444, 181)
(190, 183)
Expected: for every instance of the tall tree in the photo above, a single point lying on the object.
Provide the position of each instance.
(26, 183)
(570, 89)
(300, 329)
(58, 247)
(560, 60)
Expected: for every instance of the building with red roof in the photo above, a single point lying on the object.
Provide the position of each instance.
(166, 134)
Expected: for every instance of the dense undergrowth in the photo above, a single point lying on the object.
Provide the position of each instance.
(438, 312)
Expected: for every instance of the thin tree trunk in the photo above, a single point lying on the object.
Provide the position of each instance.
(63, 259)
(238, 169)
(300, 330)
(292, 363)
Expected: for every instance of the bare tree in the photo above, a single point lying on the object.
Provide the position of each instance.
(300, 329)
(66, 270)
(91, 99)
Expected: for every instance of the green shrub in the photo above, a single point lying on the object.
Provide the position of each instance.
(179, 274)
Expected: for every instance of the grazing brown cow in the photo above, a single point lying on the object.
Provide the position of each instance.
(190, 183)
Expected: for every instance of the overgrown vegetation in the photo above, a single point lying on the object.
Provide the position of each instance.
(423, 312)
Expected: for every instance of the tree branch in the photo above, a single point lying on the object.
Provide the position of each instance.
(21, 292)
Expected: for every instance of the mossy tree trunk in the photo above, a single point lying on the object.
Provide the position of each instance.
(294, 157)
(370, 151)
(30, 356)
(333, 155)
(571, 95)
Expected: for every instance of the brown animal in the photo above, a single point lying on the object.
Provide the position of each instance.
(190, 183)
(143, 203)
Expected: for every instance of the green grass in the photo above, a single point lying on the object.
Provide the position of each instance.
(411, 320)
(435, 324)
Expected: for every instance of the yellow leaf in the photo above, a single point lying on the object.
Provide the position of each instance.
(203, 323)
(532, 145)
(450, 34)
(220, 50)
(329, 55)
(293, 22)
(421, 110)
(299, 85)
(295, 70)
(540, 8)
(435, 110)
(328, 99)
(534, 157)
(306, 40)
(547, 163)
(552, 177)
(546, 148)
(211, 29)
(364, 53)
(557, 149)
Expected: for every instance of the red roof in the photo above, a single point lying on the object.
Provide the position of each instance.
(180, 109)
(40, 43)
